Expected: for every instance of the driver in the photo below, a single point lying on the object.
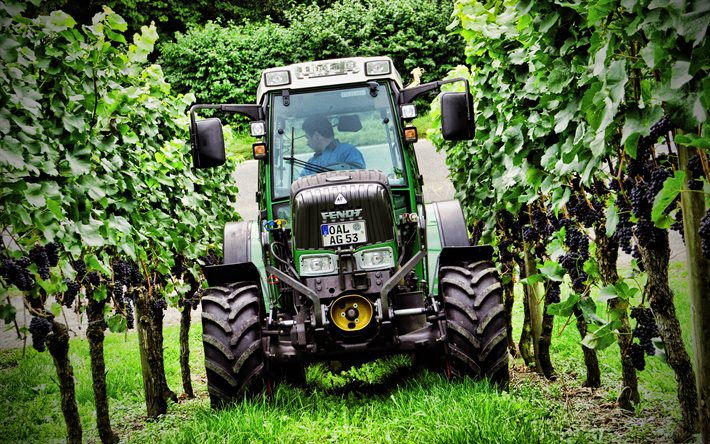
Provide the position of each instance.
(328, 151)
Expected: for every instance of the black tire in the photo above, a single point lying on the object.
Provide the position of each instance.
(475, 323)
(231, 335)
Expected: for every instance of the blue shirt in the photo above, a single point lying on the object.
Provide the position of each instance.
(336, 153)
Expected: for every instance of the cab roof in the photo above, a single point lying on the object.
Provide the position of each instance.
(327, 73)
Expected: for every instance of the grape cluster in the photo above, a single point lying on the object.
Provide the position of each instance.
(585, 211)
(210, 259)
(40, 329)
(541, 222)
(695, 168)
(553, 293)
(529, 234)
(658, 129)
(577, 244)
(646, 328)
(638, 360)
(158, 306)
(678, 224)
(704, 232)
(70, 295)
(121, 276)
(94, 278)
(16, 273)
(130, 317)
(640, 203)
(52, 250)
(80, 268)
(38, 255)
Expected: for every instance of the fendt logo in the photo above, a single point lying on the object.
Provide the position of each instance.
(343, 214)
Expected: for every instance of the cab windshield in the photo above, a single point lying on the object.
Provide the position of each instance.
(343, 129)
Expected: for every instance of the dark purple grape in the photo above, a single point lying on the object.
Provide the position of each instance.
(40, 329)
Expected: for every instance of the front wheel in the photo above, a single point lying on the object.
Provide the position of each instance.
(475, 322)
(231, 335)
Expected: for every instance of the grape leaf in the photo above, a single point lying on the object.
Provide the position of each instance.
(671, 189)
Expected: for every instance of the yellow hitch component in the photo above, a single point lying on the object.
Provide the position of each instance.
(351, 312)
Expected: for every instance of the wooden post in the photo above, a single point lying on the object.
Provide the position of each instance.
(693, 205)
(534, 298)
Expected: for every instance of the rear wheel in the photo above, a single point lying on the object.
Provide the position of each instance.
(231, 335)
(475, 322)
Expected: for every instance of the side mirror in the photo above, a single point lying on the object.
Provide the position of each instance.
(207, 143)
(457, 116)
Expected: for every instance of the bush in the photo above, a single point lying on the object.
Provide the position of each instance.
(222, 63)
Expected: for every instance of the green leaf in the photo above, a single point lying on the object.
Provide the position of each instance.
(679, 74)
(33, 195)
(93, 263)
(602, 337)
(116, 22)
(117, 323)
(90, 233)
(56, 309)
(58, 21)
(564, 308)
(599, 10)
(693, 140)
(532, 279)
(607, 293)
(100, 293)
(552, 271)
(7, 313)
(77, 166)
(671, 189)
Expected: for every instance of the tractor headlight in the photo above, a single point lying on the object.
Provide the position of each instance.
(375, 259)
(378, 68)
(317, 264)
(277, 78)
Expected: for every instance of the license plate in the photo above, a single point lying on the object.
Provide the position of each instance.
(344, 233)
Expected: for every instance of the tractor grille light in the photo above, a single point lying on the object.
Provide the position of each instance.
(376, 259)
(277, 78)
(317, 264)
(378, 68)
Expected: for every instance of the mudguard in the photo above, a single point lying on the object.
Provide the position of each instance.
(447, 240)
(243, 260)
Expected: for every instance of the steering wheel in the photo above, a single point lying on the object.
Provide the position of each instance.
(337, 166)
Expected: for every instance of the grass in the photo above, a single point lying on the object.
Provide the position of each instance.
(380, 402)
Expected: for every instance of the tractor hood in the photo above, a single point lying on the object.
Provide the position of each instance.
(341, 209)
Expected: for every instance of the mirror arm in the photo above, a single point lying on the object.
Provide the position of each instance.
(409, 94)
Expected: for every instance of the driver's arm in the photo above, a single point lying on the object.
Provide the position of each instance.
(354, 156)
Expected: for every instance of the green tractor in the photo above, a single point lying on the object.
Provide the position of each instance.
(346, 262)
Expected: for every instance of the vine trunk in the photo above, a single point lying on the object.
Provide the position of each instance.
(660, 297)
(95, 336)
(58, 345)
(590, 355)
(607, 255)
(150, 343)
